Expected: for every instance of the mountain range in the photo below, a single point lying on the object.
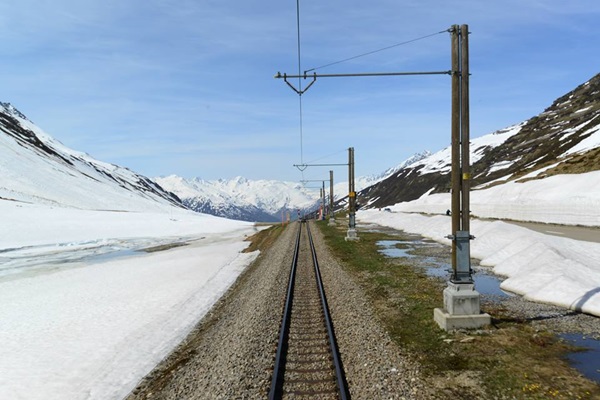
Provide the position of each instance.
(563, 139)
(261, 200)
(36, 168)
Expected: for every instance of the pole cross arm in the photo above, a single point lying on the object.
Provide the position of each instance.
(314, 180)
(302, 167)
(315, 75)
(300, 92)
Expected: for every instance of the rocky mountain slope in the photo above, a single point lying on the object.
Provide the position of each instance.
(563, 139)
(38, 169)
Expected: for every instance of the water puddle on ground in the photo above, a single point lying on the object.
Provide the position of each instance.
(485, 283)
(587, 361)
(435, 260)
(419, 252)
(389, 248)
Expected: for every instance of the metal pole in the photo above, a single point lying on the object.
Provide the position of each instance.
(455, 126)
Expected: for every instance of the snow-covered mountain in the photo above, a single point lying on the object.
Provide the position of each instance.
(563, 139)
(38, 169)
(261, 200)
(240, 198)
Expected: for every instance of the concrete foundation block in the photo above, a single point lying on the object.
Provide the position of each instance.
(461, 308)
(461, 299)
(351, 235)
(453, 322)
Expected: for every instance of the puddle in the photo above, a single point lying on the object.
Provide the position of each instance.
(389, 248)
(489, 285)
(587, 361)
(485, 284)
(434, 259)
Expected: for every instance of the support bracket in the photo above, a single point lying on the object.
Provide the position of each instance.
(300, 92)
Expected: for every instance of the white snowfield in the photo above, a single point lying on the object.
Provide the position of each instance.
(540, 267)
(85, 315)
(82, 315)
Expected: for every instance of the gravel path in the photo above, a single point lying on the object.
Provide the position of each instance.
(229, 355)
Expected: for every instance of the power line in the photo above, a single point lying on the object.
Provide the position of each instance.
(299, 81)
(377, 51)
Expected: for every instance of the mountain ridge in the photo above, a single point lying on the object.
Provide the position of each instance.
(263, 199)
(58, 175)
(564, 138)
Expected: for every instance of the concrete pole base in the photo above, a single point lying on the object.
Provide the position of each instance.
(331, 222)
(461, 308)
(351, 235)
(453, 322)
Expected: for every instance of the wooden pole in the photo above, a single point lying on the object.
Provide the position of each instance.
(352, 193)
(331, 213)
(464, 119)
(455, 127)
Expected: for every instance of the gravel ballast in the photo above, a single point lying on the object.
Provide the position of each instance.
(230, 354)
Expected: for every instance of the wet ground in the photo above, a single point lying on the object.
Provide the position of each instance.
(435, 259)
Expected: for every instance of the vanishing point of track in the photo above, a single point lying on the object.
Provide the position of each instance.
(307, 362)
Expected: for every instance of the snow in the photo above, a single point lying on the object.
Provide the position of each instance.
(79, 326)
(558, 199)
(590, 142)
(440, 161)
(540, 267)
(86, 313)
(58, 175)
(268, 195)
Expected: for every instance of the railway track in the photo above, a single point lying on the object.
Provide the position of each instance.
(307, 362)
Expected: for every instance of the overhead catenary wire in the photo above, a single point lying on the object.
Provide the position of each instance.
(302, 166)
(299, 83)
(375, 51)
(328, 155)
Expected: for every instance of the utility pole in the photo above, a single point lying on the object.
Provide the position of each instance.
(461, 300)
(351, 234)
(331, 212)
(323, 201)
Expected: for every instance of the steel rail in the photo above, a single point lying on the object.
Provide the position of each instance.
(337, 360)
(277, 380)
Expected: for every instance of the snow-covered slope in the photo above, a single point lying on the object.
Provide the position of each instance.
(38, 169)
(562, 140)
(240, 198)
(82, 281)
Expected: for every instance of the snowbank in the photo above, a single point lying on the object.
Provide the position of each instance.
(560, 199)
(77, 327)
(542, 268)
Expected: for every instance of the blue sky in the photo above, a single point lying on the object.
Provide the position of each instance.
(186, 87)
